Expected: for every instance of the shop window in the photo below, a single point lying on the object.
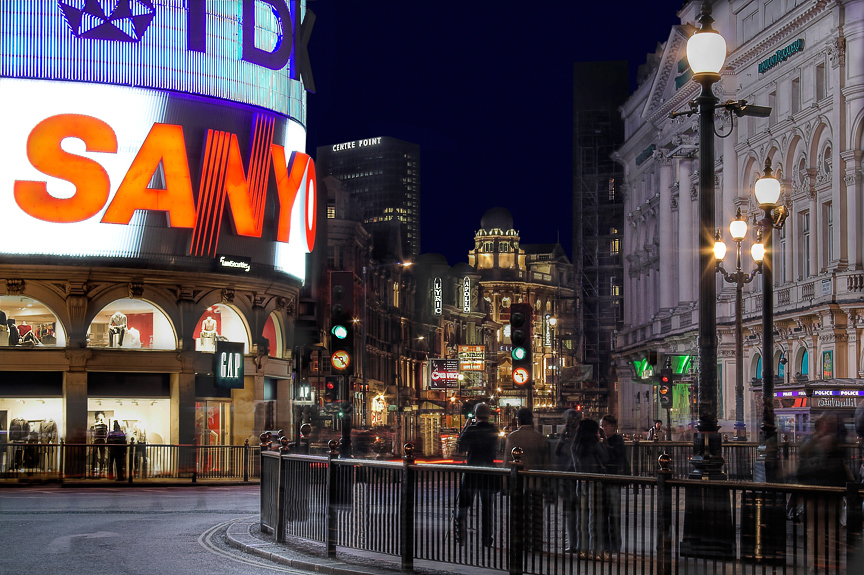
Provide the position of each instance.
(131, 324)
(212, 425)
(146, 420)
(29, 419)
(273, 335)
(220, 322)
(26, 322)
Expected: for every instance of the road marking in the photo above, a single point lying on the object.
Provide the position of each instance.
(206, 541)
(64, 544)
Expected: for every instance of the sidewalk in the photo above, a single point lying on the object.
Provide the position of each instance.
(245, 534)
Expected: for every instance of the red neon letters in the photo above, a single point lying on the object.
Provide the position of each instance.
(223, 180)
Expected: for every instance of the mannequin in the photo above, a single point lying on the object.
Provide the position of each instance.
(140, 455)
(132, 338)
(13, 332)
(116, 329)
(99, 433)
(207, 341)
(49, 431)
(4, 329)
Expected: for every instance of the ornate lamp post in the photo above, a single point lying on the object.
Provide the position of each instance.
(767, 191)
(738, 231)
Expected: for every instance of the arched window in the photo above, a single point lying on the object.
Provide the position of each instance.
(805, 364)
(759, 367)
(220, 322)
(27, 322)
(132, 324)
(273, 334)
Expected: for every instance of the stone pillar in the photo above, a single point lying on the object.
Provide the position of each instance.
(815, 234)
(842, 211)
(854, 207)
(183, 401)
(687, 248)
(75, 412)
(668, 291)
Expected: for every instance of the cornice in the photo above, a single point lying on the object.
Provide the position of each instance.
(766, 40)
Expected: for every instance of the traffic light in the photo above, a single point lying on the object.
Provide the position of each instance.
(342, 322)
(520, 337)
(665, 388)
(331, 389)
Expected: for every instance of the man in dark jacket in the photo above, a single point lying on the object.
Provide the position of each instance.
(479, 439)
(616, 465)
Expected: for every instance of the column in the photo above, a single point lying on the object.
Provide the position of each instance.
(842, 211)
(815, 231)
(687, 249)
(183, 401)
(668, 295)
(853, 233)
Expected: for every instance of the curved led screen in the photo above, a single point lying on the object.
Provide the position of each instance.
(171, 145)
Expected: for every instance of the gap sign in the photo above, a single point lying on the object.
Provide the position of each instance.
(228, 365)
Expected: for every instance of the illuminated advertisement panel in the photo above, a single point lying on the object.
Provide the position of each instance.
(472, 357)
(169, 175)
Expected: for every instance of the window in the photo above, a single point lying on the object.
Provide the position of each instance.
(611, 189)
(828, 240)
(804, 218)
(614, 288)
(750, 25)
(820, 82)
(488, 246)
(503, 247)
(796, 95)
(331, 212)
(614, 247)
(772, 103)
(780, 261)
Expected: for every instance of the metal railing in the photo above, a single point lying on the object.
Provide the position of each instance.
(130, 462)
(548, 522)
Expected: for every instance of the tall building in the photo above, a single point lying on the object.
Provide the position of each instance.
(599, 88)
(804, 60)
(383, 176)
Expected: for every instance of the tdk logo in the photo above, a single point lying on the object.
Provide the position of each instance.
(121, 20)
(128, 20)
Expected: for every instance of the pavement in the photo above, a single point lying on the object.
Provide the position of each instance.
(245, 534)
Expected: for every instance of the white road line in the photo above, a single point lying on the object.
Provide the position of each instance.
(206, 541)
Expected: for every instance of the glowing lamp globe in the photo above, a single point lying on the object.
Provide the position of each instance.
(738, 229)
(758, 252)
(767, 188)
(719, 250)
(706, 52)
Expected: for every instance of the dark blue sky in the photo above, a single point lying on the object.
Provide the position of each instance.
(485, 88)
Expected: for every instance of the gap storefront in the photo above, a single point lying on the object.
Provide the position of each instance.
(152, 168)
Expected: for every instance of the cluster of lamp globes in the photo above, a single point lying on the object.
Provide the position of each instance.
(706, 54)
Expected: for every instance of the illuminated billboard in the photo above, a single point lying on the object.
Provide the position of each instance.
(164, 141)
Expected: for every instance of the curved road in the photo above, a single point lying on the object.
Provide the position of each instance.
(113, 531)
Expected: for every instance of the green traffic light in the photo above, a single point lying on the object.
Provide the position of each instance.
(339, 332)
(518, 353)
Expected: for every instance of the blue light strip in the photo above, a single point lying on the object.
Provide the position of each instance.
(822, 393)
(37, 43)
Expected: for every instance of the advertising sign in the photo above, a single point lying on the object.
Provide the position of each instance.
(437, 297)
(444, 373)
(180, 131)
(472, 358)
(228, 365)
(827, 364)
(466, 295)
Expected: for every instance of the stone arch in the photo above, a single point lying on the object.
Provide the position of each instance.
(756, 366)
(793, 150)
(746, 183)
(857, 132)
(821, 133)
(51, 298)
(802, 361)
(24, 307)
(161, 298)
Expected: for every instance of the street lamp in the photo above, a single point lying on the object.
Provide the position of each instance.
(365, 331)
(767, 191)
(738, 231)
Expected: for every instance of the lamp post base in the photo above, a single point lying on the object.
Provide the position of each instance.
(740, 431)
(708, 530)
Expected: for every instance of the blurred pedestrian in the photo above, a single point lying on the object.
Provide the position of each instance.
(535, 455)
(656, 432)
(569, 497)
(116, 453)
(479, 439)
(616, 465)
(590, 456)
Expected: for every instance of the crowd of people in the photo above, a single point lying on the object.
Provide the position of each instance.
(592, 509)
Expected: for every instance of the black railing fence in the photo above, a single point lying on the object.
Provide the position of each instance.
(550, 522)
(127, 462)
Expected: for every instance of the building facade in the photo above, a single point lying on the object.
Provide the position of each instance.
(804, 60)
(383, 175)
(153, 246)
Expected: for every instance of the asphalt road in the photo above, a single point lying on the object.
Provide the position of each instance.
(115, 531)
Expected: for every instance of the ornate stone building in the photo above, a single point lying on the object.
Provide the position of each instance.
(805, 60)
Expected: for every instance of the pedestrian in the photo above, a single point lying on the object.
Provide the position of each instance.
(569, 497)
(535, 455)
(617, 464)
(116, 453)
(479, 439)
(590, 456)
(656, 432)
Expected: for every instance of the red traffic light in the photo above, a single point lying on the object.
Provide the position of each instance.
(664, 379)
(330, 385)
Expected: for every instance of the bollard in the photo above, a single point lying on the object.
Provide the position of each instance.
(305, 439)
(130, 457)
(664, 514)
(281, 500)
(517, 539)
(406, 522)
(246, 459)
(332, 525)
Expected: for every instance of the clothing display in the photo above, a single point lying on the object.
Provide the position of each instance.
(13, 332)
(19, 430)
(116, 453)
(116, 329)
(48, 432)
(207, 341)
(4, 329)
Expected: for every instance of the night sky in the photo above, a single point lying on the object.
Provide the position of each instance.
(485, 89)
